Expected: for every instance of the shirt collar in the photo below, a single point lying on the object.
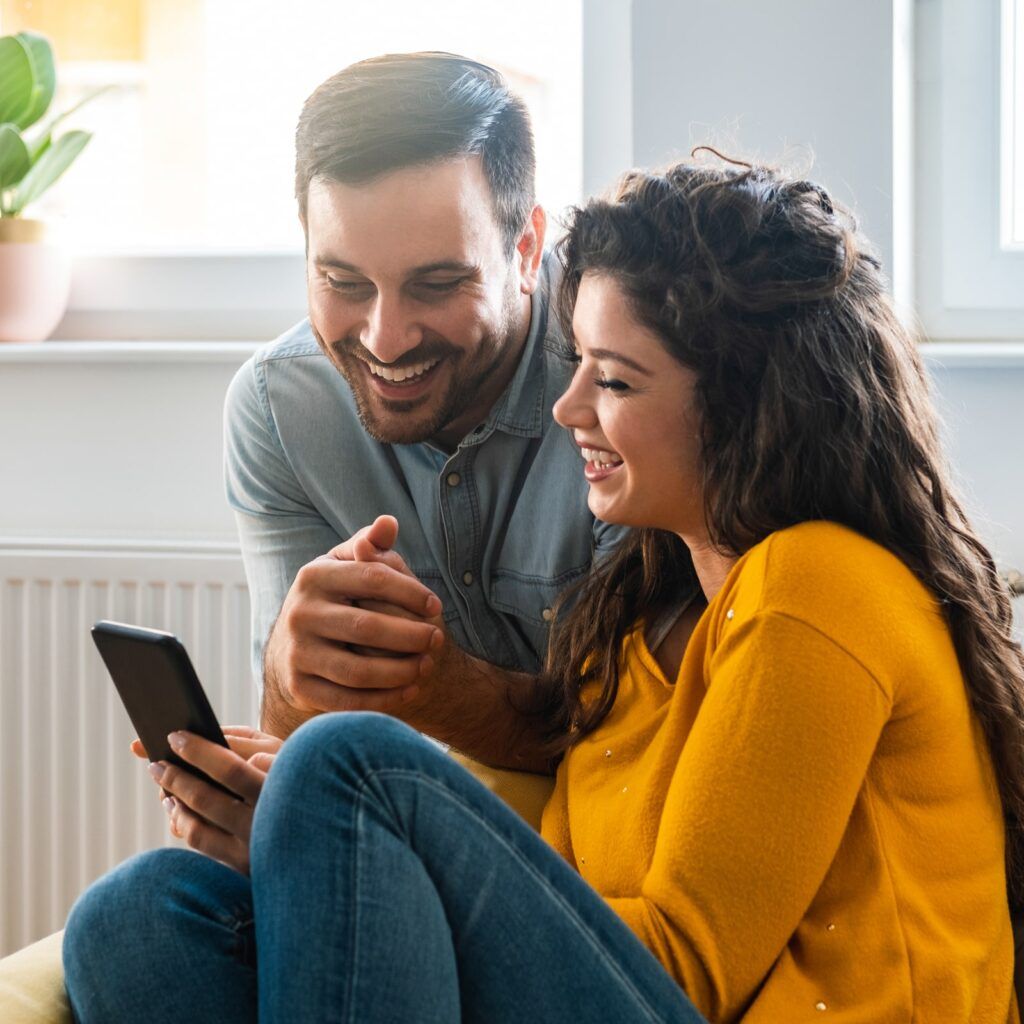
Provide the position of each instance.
(520, 409)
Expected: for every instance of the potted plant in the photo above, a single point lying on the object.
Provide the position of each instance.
(35, 271)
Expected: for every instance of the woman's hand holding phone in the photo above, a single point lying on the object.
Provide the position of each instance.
(208, 819)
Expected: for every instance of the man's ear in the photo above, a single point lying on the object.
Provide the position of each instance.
(530, 249)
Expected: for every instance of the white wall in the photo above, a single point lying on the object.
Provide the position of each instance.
(117, 442)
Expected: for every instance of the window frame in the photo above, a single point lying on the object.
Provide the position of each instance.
(969, 285)
(217, 296)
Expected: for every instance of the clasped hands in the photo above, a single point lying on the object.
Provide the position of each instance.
(357, 631)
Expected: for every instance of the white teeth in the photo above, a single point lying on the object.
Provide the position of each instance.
(599, 457)
(403, 373)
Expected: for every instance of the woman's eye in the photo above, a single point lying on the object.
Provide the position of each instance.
(571, 356)
(611, 385)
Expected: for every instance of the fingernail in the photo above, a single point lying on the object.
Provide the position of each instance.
(436, 640)
(176, 740)
(426, 665)
(156, 769)
(433, 606)
(169, 804)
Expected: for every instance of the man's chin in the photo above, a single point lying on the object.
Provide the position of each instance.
(392, 422)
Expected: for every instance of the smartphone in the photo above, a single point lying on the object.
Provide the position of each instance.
(159, 689)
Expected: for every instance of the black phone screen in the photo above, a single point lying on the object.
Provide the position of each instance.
(159, 689)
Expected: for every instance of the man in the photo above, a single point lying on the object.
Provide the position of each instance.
(421, 386)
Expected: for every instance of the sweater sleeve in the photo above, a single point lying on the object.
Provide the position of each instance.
(757, 806)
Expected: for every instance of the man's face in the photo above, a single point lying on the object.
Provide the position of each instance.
(412, 297)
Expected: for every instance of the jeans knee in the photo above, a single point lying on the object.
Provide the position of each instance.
(362, 739)
(120, 904)
(324, 763)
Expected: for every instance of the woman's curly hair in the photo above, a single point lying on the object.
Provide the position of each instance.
(814, 405)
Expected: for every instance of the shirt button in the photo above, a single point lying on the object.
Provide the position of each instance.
(547, 615)
(453, 479)
(467, 578)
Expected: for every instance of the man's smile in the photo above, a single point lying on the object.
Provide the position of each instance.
(403, 382)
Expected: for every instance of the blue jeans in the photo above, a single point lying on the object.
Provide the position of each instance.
(386, 884)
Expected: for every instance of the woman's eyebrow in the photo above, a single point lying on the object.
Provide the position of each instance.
(615, 357)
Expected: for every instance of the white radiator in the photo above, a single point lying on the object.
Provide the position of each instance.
(73, 800)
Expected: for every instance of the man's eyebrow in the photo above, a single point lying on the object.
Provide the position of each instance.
(456, 265)
(426, 268)
(616, 357)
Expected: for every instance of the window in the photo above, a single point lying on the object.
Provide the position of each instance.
(969, 177)
(1012, 128)
(181, 207)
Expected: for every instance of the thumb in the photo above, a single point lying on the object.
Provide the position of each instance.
(262, 760)
(382, 532)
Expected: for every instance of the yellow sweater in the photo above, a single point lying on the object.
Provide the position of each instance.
(806, 825)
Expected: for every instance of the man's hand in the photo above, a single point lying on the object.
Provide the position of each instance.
(357, 632)
(317, 661)
(209, 820)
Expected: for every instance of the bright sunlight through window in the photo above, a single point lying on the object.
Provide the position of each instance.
(193, 141)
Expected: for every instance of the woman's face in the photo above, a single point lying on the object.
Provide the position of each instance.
(631, 409)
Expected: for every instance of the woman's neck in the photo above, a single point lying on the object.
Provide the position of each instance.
(712, 565)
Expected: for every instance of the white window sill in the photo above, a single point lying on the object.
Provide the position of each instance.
(974, 355)
(129, 351)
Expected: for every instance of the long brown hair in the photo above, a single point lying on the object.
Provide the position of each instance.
(814, 405)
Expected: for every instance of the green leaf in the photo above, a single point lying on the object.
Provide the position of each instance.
(44, 76)
(42, 140)
(14, 157)
(37, 147)
(16, 79)
(51, 165)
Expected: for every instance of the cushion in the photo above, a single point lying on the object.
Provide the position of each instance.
(32, 984)
(524, 792)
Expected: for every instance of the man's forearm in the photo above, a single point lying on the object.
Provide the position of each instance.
(474, 706)
(470, 704)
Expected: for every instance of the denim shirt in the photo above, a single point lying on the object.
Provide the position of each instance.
(497, 529)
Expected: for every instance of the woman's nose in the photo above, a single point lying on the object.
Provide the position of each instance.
(571, 410)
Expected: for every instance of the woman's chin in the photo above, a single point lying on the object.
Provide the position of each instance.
(610, 512)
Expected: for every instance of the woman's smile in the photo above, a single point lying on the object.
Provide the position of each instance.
(599, 463)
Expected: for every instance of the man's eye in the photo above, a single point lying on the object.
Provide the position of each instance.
(440, 286)
(341, 285)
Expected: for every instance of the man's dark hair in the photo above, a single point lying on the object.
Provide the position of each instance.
(404, 109)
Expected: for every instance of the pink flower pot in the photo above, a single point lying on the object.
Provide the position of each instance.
(35, 281)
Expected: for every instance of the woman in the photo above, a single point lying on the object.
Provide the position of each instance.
(788, 709)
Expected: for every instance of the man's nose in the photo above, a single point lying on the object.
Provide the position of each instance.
(388, 332)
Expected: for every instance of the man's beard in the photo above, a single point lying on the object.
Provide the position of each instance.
(395, 421)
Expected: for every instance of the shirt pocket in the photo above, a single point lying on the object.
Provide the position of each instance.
(530, 601)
